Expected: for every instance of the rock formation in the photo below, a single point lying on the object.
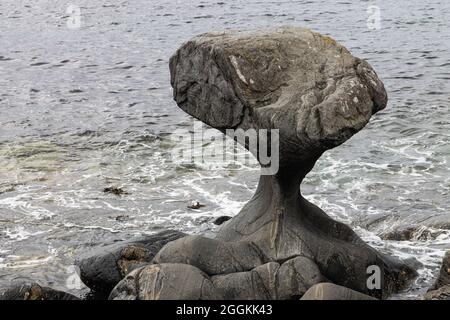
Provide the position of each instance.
(317, 95)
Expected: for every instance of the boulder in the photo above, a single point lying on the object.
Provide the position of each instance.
(257, 284)
(442, 293)
(330, 291)
(33, 291)
(440, 290)
(444, 273)
(270, 281)
(102, 268)
(303, 93)
(212, 256)
(165, 282)
(296, 276)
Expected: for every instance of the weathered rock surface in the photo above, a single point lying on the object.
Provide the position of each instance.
(270, 281)
(330, 291)
(102, 268)
(212, 256)
(165, 282)
(33, 291)
(317, 95)
(440, 290)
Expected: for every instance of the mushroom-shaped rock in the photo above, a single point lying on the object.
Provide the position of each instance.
(302, 83)
(165, 282)
(311, 94)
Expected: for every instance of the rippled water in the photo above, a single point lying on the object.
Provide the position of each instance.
(83, 109)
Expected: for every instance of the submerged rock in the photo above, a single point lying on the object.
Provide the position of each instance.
(33, 291)
(102, 268)
(330, 291)
(221, 220)
(417, 233)
(317, 95)
(390, 226)
(165, 282)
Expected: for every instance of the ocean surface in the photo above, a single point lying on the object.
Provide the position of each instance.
(88, 105)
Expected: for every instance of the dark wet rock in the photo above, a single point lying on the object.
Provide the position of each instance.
(270, 281)
(122, 218)
(165, 282)
(212, 256)
(330, 291)
(440, 290)
(33, 291)
(221, 220)
(94, 296)
(317, 95)
(115, 190)
(413, 263)
(102, 268)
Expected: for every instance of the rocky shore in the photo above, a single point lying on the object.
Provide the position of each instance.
(280, 246)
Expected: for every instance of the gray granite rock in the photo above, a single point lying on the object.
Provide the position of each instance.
(165, 282)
